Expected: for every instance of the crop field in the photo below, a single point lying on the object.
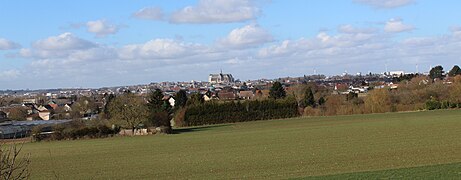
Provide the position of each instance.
(394, 145)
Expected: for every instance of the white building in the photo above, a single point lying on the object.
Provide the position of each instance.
(396, 73)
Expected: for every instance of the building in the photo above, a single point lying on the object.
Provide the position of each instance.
(220, 78)
(396, 73)
(246, 95)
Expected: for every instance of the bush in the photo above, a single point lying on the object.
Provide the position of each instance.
(445, 105)
(75, 130)
(310, 111)
(230, 112)
(433, 104)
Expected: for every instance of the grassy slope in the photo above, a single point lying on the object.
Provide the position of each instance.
(289, 148)
(443, 171)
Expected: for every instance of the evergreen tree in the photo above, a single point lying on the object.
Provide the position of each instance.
(308, 99)
(155, 99)
(180, 99)
(454, 71)
(321, 101)
(277, 91)
(436, 72)
(159, 110)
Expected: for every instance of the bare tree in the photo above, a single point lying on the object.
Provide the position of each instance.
(13, 165)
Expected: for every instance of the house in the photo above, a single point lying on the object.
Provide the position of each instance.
(170, 100)
(226, 96)
(246, 95)
(29, 101)
(262, 93)
(44, 114)
(207, 98)
(67, 108)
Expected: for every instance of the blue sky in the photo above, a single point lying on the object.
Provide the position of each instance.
(51, 44)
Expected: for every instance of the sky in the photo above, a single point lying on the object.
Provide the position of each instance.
(90, 44)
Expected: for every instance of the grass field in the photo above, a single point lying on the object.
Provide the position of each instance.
(395, 145)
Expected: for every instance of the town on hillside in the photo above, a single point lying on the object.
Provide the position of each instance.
(21, 110)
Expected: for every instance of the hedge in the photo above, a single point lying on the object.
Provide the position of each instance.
(230, 112)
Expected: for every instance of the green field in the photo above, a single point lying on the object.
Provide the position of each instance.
(395, 145)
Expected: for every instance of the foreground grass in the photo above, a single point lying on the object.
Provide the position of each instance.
(443, 171)
(290, 148)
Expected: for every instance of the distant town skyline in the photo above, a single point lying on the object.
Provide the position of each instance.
(50, 44)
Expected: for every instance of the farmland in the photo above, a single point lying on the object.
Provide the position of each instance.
(409, 144)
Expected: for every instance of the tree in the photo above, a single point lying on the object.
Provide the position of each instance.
(180, 99)
(155, 99)
(436, 72)
(128, 111)
(17, 113)
(108, 100)
(159, 111)
(378, 101)
(196, 99)
(351, 96)
(321, 101)
(308, 99)
(454, 71)
(84, 105)
(11, 165)
(277, 91)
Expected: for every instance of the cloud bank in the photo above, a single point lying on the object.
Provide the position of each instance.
(385, 4)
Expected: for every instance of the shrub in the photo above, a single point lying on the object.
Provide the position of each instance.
(445, 105)
(75, 130)
(310, 111)
(433, 104)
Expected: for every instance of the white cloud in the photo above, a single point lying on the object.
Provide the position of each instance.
(160, 49)
(217, 11)
(247, 36)
(351, 29)
(456, 31)
(65, 41)
(396, 26)
(349, 42)
(149, 13)
(67, 48)
(101, 28)
(6, 44)
(9, 74)
(362, 51)
(385, 3)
